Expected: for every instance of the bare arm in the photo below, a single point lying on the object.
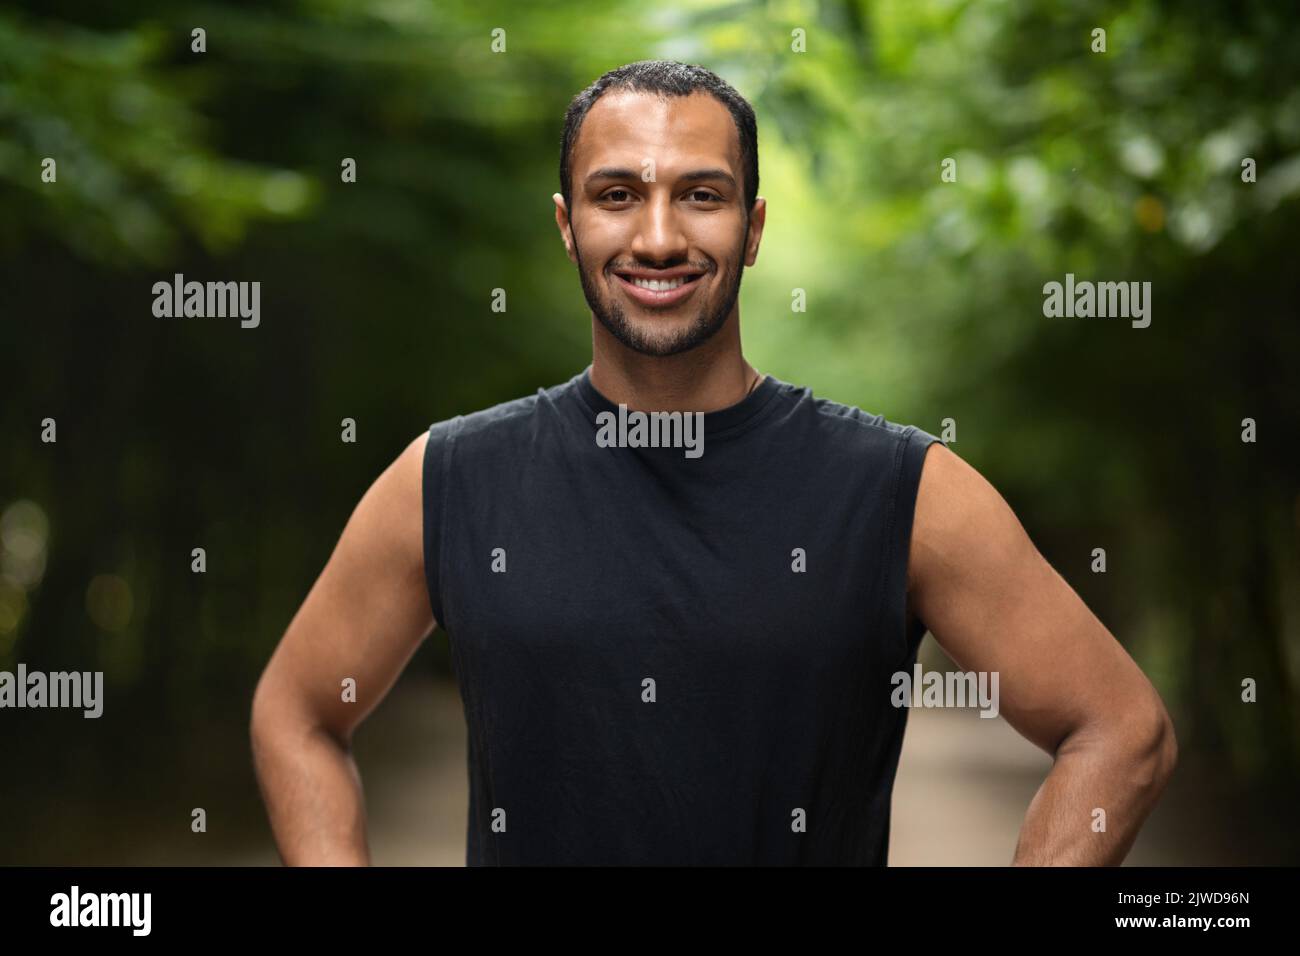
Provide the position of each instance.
(363, 619)
(995, 604)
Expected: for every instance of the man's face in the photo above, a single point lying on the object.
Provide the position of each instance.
(660, 260)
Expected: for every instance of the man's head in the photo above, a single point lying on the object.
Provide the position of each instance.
(659, 188)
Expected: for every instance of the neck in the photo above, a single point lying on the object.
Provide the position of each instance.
(711, 376)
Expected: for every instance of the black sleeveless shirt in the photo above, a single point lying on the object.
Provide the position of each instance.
(673, 658)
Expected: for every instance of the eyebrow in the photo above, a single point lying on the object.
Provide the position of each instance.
(694, 176)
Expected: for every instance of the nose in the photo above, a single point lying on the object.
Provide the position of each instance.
(659, 236)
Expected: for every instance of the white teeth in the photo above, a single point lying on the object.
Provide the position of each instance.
(657, 285)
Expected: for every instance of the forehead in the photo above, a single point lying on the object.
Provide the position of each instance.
(624, 127)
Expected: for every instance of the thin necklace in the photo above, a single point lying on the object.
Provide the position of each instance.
(757, 378)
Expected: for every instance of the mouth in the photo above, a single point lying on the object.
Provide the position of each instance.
(657, 289)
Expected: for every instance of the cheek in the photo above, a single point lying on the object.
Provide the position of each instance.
(719, 241)
(602, 240)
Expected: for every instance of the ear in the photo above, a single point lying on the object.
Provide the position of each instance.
(757, 217)
(562, 223)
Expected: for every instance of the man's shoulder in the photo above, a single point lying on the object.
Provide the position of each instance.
(845, 421)
(502, 422)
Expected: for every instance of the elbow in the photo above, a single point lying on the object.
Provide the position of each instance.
(282, 718)
(1135, 746)
(271, 713)
(260, 721)
(1168, 746)
(1155, 749)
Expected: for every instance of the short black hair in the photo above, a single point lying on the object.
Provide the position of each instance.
(666, 78)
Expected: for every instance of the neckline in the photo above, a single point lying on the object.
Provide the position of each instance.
(719, 423)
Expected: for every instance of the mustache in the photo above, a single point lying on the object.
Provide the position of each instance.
(625, 266)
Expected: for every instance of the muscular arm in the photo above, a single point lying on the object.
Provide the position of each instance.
(995, 604)
(364, 618)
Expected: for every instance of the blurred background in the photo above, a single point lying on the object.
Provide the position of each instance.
(924, 304)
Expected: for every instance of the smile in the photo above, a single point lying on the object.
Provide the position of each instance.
(652, 291)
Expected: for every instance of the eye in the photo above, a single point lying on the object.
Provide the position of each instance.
(614, 194)
(708, 194)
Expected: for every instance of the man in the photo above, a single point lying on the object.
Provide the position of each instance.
(675, 634)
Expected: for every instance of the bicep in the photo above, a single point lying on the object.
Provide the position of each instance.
(995, 604)
(367, 612)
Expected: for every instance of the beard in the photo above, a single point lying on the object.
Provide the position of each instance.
(643, 335)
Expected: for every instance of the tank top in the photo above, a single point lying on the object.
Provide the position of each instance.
(667, 657)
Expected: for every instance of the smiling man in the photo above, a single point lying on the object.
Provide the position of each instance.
(669, 658)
